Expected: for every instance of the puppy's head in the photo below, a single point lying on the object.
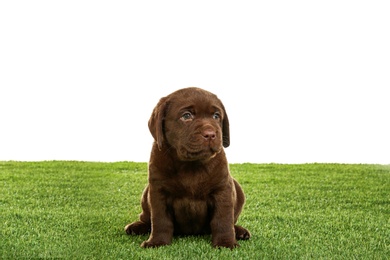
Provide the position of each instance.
(193, 122)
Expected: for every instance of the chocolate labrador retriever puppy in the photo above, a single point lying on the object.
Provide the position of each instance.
(190, 189)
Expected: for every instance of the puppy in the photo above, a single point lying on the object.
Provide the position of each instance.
(190, 189)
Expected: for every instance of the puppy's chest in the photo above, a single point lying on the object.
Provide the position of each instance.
(199, 187)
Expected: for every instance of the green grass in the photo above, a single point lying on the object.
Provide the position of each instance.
(79, 209)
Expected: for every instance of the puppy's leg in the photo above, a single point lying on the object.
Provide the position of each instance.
(222, 230)
(161, 220)
(241, 233)
(239, 201)
(142, 226)
(222, 222)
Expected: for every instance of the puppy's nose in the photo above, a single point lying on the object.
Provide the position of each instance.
(209, 134)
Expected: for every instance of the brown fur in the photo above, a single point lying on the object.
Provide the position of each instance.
(190, 189)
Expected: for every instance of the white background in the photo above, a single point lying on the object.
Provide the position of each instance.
(302, 81)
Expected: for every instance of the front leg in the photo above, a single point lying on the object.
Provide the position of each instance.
(162, 225)
(222, 222)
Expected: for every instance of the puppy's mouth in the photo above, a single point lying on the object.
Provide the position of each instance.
(193, 152)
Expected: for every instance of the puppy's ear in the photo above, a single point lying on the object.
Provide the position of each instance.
(225, 129)
(156, 122)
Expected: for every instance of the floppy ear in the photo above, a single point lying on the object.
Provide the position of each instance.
(225, 129)
(156, 122)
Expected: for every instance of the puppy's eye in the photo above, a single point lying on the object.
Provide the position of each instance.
(186, 116)
(217, 115)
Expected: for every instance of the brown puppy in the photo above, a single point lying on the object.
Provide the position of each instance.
(190, 188)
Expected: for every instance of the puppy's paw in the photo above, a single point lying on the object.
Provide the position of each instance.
(228, 243)
(242, 233)
(137, 228)
(151, 243)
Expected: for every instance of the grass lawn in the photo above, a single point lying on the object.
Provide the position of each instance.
(79, 209)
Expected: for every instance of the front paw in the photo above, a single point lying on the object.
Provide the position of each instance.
(225, 242)
(151, 243)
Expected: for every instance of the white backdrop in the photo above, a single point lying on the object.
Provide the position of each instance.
(302, 81)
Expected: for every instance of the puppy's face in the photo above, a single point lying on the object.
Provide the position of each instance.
(193, 122)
